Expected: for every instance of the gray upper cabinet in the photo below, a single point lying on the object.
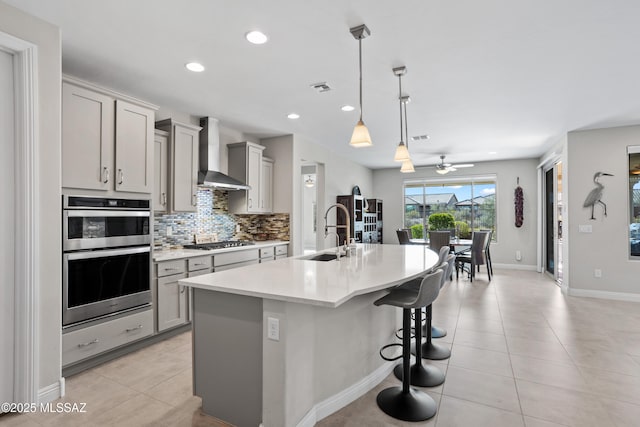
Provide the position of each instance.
(106, 139)
(134, 145)
(245, 164)
(183, 164)
(160, 165)
(87, 138)
(266, 186)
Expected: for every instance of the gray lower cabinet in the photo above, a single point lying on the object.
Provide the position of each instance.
(171, 298)
(281, 251)
(92, 340)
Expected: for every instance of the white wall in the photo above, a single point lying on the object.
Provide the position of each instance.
(607, 247)
(388, 183)
(336, 175)
(47, 38)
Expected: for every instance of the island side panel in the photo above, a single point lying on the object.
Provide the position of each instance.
(227, 340)
(321, 353)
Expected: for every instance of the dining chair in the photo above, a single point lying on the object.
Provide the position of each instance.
(475, 256)
(438, 239)
(488, 251)
(403, 236)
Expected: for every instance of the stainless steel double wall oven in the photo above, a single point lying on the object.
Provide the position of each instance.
(106, 256)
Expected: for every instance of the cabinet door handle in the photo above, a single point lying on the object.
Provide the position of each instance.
(105, 175)
(194, 200)
(86, 344)
(170, 269)
(250, 204)
(121, 177)
(183, 288)
(197, 265)
(133, 329)
(164, 199)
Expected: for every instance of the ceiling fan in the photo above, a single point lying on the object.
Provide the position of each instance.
(443, 168)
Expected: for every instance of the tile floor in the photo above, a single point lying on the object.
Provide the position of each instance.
(523, 354)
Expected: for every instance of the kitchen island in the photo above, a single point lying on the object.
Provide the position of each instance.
(289, 342)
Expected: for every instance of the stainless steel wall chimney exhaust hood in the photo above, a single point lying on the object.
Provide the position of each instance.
(209, 174)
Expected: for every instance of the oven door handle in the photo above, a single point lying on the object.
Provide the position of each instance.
(103, 253)
(96, 213)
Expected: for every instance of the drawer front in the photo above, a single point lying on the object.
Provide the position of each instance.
(200, 263)
(87, 342)
(200, 272)
(281, 256)
(235, 257)
(168, 268)
(263, 260)
(282, 250)
(266, 252)
(237, 265)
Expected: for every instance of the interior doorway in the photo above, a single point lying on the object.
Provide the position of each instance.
(7, 227)
(553, 221)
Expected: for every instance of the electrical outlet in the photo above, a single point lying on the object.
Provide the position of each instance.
(597, 273)
(273, 328)
(237, 228)
(169, 231)
(585, 228)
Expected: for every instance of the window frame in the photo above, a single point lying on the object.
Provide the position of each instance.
(631, 150)
(471, 180)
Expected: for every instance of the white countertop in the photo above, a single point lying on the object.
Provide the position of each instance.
(331, 283)
(171, 254)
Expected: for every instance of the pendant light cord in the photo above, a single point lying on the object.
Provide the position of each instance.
(406, 126)
(400, 100)
(360, 68)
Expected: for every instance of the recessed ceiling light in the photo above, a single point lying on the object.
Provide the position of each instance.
(256, 37)
(493, 152)
(347, 108)
(293, 116)
(196, 67)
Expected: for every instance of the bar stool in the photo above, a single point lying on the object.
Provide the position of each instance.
(429, 349)
(421, 375)
(406, 403)
(437, 332)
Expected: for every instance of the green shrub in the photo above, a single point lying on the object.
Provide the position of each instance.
(417, 231)
(441, 221)
(463, 230)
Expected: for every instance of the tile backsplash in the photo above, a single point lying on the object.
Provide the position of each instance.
(213, 217)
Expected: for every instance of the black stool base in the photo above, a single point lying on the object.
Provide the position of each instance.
(413, 406)
(433, 351)
(438, 332)
(422, 375)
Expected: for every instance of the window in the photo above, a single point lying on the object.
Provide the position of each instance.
(634, 201)
(471, 202)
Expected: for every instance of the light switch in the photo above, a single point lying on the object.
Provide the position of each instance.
(273, 328)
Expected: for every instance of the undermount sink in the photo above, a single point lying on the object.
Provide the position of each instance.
(321, 257)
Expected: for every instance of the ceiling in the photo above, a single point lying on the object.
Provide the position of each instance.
(503, 76)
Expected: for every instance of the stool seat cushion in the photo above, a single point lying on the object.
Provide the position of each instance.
(412, 297)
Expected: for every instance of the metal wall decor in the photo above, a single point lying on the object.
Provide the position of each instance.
(595, 195)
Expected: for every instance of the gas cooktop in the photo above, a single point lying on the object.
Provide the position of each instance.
(219, 245)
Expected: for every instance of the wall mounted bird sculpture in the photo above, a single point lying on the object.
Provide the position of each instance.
(595, 195)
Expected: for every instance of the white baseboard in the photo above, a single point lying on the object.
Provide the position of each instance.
(516, 267)
(345, 397)
(51, 392)
(619, 296)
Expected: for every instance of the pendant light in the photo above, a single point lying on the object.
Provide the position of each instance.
(407, 165)
(360, 136)
(402, 154)
(309, 183)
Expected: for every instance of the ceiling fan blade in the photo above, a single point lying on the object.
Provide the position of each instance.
(464, 165)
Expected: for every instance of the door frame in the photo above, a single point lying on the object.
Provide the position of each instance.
(26, 296)
(549, 163)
